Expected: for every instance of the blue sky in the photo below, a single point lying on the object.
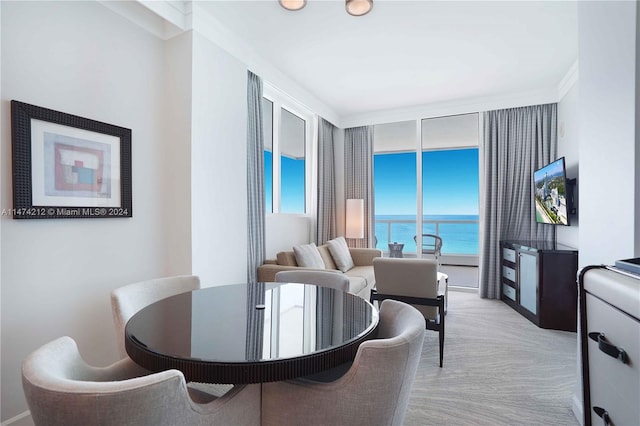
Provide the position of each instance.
(553, 169)
(292, 184)
(449, 182)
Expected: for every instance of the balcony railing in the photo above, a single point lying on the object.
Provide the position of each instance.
(459, 237)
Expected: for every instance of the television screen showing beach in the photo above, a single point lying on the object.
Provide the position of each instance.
(550, 194)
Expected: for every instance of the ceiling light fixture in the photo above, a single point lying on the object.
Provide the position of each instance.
(358, 7)
(293, 4)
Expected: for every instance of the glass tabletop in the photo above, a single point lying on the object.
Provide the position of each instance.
(262, 324)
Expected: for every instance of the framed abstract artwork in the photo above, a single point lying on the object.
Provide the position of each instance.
(65, 166)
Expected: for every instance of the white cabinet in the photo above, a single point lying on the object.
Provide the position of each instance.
(610, 342)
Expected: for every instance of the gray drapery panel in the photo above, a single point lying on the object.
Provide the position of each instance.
(255, 178)
(358, 147)
(326, 227)
(255, 213)
(516, 142)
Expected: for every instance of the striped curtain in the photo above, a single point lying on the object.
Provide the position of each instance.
(516, 142)
(326, 226)
(255, 215)
(358, 147)
(255, 178)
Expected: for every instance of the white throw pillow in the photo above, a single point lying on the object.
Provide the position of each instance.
(308, 256)
(340, 253)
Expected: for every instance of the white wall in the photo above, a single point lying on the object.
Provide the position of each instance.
(175, 159)
(568, 147)
(283, 231)
(219, 170)
(608, 183)
(80, 58)
(608, 167)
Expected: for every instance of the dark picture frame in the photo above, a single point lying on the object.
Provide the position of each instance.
(68, 167)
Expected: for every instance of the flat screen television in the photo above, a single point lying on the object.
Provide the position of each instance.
(551, 194)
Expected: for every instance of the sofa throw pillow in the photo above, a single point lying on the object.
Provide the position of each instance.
(308, 256)
(340, 253)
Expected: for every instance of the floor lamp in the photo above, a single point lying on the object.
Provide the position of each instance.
(354, 218)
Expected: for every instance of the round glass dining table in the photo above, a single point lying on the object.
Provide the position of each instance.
(250, 333)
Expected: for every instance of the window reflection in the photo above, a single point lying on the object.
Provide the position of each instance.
(289, 320)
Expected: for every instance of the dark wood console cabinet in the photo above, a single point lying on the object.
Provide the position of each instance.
(539, 280)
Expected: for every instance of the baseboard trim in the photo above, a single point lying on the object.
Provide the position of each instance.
(16, 418)
(463, 289)
(576, 407)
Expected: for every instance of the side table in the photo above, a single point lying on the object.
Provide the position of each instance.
(395, 249)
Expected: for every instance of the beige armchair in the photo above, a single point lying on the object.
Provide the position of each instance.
(413, 281)
(129, 299)
(374, 390)
(61, 389)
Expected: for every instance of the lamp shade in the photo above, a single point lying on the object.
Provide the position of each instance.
(355, 218)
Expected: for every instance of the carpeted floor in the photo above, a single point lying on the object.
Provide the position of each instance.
(499, 369)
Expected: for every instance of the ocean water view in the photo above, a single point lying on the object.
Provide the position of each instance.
(459, 233)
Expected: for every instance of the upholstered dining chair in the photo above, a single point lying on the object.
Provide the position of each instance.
(321, 278)
(414, 281)
(374, 390)
(61, 389)
(129, 299)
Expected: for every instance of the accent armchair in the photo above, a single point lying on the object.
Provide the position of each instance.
(61, 389)
(374, 390)
(129, 299)
(413, 281)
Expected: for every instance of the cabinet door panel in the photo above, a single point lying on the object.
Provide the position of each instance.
(528, 282)
(614, 385)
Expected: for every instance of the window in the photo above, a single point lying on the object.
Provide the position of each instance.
(450, 198)
(287, 151)
(440, 185)
(450, 201)
(394, 183)
(292, 163)
(267, 119)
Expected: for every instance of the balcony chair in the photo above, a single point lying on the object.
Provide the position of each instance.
(431, 244)
(61, 389)
(374, 390)
(321, 278)
(413, 281)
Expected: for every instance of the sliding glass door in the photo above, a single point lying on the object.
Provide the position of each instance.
(429, 170)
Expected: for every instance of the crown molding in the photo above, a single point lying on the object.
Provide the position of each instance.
(441, 109)
(465, 106)
(216, 32)
(168, 18)
(567, 82)
(164, 19)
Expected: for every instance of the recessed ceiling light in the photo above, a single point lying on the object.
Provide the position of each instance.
(359, 7)
(293, 4)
